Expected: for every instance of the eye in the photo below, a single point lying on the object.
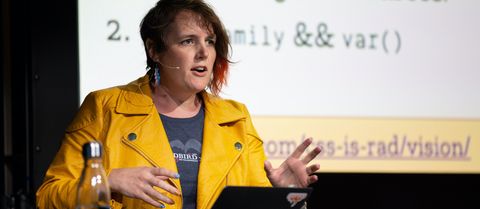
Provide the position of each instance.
(187, 42)
(211, 41)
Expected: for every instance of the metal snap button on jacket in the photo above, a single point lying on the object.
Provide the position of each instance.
(238, 146)
(132, 136)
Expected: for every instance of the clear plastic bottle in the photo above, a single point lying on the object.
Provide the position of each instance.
(93, 191)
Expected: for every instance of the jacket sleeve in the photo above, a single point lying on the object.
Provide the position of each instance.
(58, 189)
(257, 175)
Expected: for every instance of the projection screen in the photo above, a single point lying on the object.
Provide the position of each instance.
(381, 85)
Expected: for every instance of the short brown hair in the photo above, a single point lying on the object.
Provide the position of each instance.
(154, 27)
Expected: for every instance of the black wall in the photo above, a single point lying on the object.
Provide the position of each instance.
(40, 92)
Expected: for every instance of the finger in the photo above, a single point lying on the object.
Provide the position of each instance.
(312, 179)
(311, 155)
(150, 191)
(268, 167)
(162, 177)
(158, 182)
(301, 177)
(164, 172)
(301, 148)
(150, 200)
(311, 169)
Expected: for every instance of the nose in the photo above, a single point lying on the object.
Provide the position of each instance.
(202, 51)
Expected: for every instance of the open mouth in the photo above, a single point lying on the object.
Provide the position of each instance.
(199, 69)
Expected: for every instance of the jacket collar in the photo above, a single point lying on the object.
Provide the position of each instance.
(136, 98)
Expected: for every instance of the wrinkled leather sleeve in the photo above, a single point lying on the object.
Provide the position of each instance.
(58, 189)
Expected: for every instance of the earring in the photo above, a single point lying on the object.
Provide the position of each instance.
(156, 76)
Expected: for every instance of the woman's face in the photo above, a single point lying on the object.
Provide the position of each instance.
(187, 64)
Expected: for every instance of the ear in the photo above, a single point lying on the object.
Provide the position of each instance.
(151, 49)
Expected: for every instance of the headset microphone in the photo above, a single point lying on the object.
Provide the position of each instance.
(171, 67)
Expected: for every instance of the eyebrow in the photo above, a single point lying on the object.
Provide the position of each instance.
(212, 36)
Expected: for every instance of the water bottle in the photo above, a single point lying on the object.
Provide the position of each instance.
(93, 191)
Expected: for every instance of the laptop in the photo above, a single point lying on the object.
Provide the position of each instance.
(239, 197)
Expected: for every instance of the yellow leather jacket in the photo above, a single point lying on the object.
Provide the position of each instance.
(125, 120)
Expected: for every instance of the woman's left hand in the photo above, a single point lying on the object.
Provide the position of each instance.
(293, 172)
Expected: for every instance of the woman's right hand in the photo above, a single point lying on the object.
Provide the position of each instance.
(138, 183)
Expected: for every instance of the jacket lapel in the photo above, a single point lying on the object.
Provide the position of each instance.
(146, 134)
(219, 151)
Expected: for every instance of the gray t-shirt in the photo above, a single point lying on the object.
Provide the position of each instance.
(185, 136)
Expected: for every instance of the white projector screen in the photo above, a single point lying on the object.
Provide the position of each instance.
(367, 75)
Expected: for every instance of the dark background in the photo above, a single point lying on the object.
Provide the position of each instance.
(39, 91)
(40, 95)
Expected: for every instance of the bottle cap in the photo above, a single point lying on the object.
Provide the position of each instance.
(92, 149)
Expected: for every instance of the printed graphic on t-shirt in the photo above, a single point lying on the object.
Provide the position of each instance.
(188, 152)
